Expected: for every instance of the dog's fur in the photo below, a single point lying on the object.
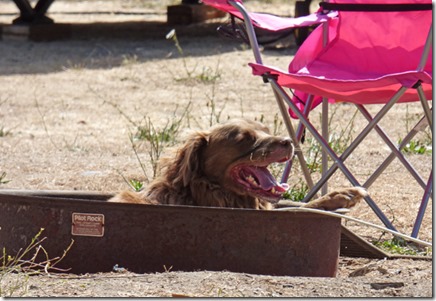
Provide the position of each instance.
(227, 167)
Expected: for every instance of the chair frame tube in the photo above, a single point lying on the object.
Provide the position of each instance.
(300, 130)
(250, 31)
(422, 207)
(295, 140)
(418, 127)
(396, 151)
(324, 121)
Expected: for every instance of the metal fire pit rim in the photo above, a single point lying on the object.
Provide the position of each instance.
(59, 197)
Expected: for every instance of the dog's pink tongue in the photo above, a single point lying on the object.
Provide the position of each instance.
(266, 180)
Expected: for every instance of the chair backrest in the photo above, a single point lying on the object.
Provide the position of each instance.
(379, 42)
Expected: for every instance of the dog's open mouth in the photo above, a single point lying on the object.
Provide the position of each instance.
(259, 181)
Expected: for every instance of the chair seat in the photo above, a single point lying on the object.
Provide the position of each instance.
(337, 85)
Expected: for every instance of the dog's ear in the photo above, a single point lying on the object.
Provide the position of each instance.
(189, 157)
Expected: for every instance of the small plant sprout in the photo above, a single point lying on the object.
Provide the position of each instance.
(417, 147)
(173, 36)
(207, 75)
(167, 270)
(421, 144)
(297, 192)
(215, 114)
(136, 185)
(3, 178)
(4, 132)
(278, 125)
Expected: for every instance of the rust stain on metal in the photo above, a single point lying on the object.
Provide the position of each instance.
(148, 238)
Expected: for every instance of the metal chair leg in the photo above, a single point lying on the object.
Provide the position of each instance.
(424, 202)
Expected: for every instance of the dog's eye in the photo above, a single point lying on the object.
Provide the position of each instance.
(245, 137)
(239, 136)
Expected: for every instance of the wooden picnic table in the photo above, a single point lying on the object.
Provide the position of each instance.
(37, 14)
(33, 15)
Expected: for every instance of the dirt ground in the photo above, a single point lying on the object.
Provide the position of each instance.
(69, 108)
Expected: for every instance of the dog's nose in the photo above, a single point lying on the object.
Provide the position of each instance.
(286, 141)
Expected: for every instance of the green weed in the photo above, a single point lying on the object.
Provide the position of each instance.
(136, 185)
(159, 138)
(400, 246)
(338, 140)
(421, 145)
(74, 66)
(156, 138)
(129, 60)
(147, 131)
(297, 192)
(417, 147)
(278, 125)
(3, 178)
(207, 75)
(4, 132)
(215, 113)
(173, 36)
(16, 270)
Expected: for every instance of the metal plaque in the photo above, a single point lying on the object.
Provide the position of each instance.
(87, 224)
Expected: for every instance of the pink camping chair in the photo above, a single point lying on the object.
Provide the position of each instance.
(365, 52)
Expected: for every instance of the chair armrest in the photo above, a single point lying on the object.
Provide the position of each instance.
(272, 22)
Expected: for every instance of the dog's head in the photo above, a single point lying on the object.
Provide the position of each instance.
(236, 156)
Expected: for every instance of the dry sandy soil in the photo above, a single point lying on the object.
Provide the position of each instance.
(68, 109)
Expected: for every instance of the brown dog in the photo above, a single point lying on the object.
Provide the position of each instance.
(227, 167)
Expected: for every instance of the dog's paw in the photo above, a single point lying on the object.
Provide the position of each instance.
(344, 198)
(131, 197)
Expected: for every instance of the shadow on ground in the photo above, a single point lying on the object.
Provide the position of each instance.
(108, 45)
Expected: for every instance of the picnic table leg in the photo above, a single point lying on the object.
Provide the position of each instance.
(29, 15)
(302, 8)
